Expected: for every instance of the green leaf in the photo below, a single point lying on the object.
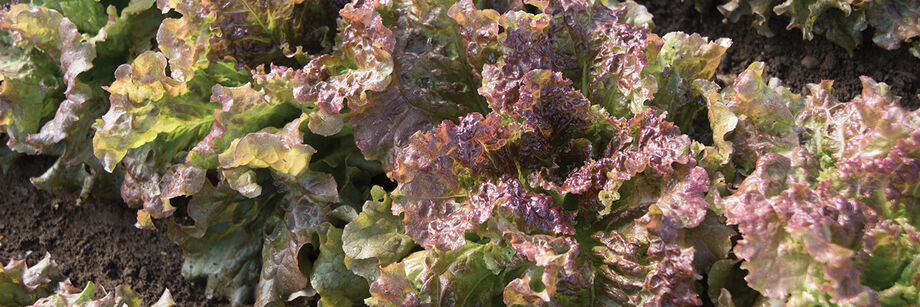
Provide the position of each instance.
(152, 103)
(58, 39)
(676, 61)
(762, 10)
(336, 285)
(223, 245)
(471, 275)
(282, 151)
(242, 110)
(21, 284)
(892, 20)
(32, 89)
(375, 239)
(894, 263)
(286, 266)
(88, 15)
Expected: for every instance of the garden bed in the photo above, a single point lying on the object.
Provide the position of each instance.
(98, 242)
(790, 58)
(94, 242)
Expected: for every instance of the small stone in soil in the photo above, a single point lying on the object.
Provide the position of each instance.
(809, 62)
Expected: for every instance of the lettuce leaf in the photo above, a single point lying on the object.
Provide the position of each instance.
(842, 22)
(43, 285)
(429, 152)
(472, 274)
(375, 239)
(66, 76)
(822, 189)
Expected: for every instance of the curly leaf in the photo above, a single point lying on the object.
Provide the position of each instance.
(243, 109)
(21, 284)
(894, 22)
(336, 285)
(223, 246)
(762, 10)
(365, 64)
(676, 61)
(375, 239)
(430, 193)
(431, 80)
(58, 39)
(285, 271)
(805, 235)
(471, 275)
(558, 258)
(69, 295)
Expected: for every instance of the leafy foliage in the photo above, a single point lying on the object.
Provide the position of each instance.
(894, 21)
(43, 285)
(535, 153)
(801, 211)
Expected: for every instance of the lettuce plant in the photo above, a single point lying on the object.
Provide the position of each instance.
(430, 152)
(43, 285)
(57, 56)
(894, 22)
(827, 214)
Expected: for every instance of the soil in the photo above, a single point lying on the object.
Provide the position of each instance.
(94, 242)
(98, 242)
(785, 54)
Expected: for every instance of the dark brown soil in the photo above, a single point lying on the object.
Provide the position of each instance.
(94, 242)
(98, 242)
(784, 53)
